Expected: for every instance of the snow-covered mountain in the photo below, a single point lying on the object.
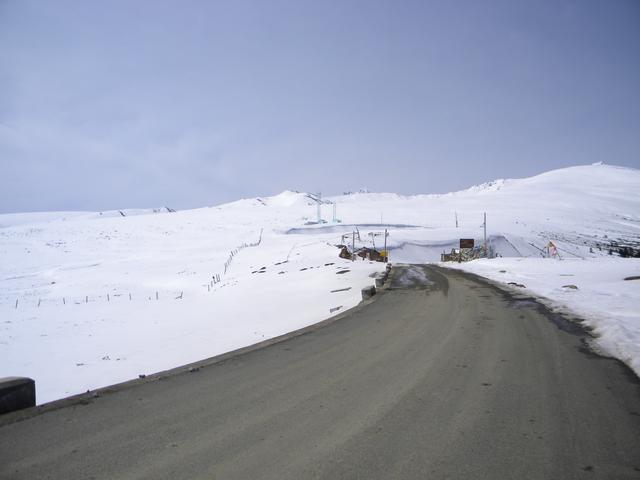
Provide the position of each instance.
(90, 298)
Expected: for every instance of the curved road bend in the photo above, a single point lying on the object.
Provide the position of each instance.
(442, 376)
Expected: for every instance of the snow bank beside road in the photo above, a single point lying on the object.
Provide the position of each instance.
(609, 305)
(91, 341)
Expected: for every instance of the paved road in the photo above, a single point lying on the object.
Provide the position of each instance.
(442, 376)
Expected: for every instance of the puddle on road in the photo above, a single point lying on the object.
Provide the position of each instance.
(520, 304)
(566, 325)
(411, 276)
(417, 277)
(559, 320)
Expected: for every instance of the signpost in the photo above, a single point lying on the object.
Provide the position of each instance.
(466, 243)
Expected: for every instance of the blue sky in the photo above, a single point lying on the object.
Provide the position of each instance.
(116, 104)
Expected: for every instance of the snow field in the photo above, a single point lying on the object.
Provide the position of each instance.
(76, 346)
(108, 267)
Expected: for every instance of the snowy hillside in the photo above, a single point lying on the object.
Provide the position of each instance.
(89, 299)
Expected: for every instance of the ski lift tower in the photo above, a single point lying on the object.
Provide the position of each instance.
(317, 197)
(334, 205)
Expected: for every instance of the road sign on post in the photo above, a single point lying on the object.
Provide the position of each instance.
(466, 243)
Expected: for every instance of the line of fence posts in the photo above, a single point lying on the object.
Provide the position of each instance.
(232, 254)
(86, 298)
(235, 251)
(214, 279)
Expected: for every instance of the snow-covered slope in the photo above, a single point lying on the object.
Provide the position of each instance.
(88, 299)
(13, 219)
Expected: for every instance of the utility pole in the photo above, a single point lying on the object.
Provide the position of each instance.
(334, 212)
(386, 253)
(484, 224)
(353, 246)
(456, 213)
(319, 200)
